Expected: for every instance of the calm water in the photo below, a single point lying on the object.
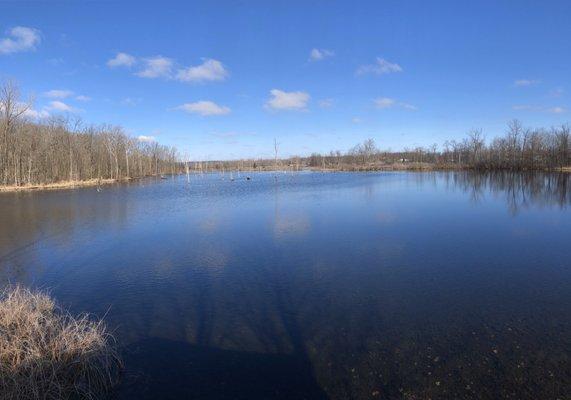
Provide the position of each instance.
(315, 286)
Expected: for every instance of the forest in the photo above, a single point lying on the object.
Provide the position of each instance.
(60, 149)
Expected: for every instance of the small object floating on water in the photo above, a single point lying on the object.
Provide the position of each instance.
(163, 177)
(248, 178)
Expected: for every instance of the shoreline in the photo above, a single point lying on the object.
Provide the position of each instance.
(61, 185)
(430, 168)
(64, 185)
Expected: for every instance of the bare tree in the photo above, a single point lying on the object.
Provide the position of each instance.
(58, 149)
(276, 149)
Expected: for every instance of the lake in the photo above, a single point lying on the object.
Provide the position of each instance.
(396, 285)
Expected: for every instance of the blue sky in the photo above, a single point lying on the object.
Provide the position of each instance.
(222, 79)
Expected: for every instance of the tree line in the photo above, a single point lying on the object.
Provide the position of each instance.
(519, 149)
(64, 149)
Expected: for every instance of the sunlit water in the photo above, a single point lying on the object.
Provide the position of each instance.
(314, 285)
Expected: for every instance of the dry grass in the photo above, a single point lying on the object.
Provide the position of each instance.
(45, 353)
(58, 185)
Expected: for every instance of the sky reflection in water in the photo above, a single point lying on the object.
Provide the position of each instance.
(312, 285)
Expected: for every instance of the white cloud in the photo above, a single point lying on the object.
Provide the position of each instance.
(386, 102)
(146, 139)
(156, 67)
(527, 107)
(326, 103)
(209, 70)
(162, 67)
(20, 38)
(36, 114)
(320, 54)
(58, 94)
(64, 94)
(281, 100)
(122, 60)
(27, 111)
(526, 82)
(381, 67)
(60, 106)
(204, 108)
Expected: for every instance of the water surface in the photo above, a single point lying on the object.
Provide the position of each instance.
(314, 285)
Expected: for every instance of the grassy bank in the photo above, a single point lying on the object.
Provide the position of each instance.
(60, 185)
(45, 353)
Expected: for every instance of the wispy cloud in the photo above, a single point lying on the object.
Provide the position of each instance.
(386, 102)
(204, 108)
(64, 94)
(232, 134)
(232, 137)
(55, 62)
(209, 70)
(326, 103)
(58, 94)
(122, 60)
(380, 67)
(130, 101)
(408, 106)
(320, 54)
(281, 100)
(146, 139)
(525, 107)
(557, 92)
(156, 67)
(528, 107)
(19, 39)
(557, 110)
(526, 82)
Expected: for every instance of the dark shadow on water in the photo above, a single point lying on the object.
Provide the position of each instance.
(165, 369)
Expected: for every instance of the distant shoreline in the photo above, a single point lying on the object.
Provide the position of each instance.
(425, 167)
(372, 167)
